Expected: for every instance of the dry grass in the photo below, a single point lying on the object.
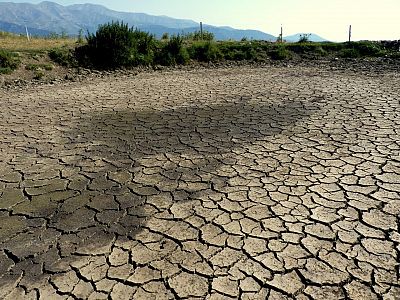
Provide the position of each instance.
(18, 43)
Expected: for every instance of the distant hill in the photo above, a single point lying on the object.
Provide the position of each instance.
(48, 17)
(219, 32)
(226, 33)
(312, 38)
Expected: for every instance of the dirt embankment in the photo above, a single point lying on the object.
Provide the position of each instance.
(39, 69)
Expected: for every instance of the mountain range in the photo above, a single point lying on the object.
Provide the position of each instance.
(47, 18)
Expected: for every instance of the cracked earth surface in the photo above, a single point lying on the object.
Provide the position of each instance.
(242, 183)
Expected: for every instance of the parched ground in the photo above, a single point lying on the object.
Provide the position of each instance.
(242, 183)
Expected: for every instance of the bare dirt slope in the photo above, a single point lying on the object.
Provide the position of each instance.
(250, 183)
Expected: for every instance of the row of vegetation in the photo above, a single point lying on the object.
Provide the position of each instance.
(116, 45)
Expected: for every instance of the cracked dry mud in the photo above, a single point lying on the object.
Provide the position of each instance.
(249, 183)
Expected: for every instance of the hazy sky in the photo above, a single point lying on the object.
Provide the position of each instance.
(370, 19)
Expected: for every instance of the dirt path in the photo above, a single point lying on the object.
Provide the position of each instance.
(250, 183)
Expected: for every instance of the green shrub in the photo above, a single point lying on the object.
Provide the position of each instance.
(280, 53)
(5, 70)
(395, 55)
(308, 48)
(47, 67)
(165, 36)
(116, 45)
(236, 55)
(62, 56)
(38, 75)
(302, 47)
(349, 53)
(367, 48)
(8, 61)
(172, 52)
(111, 46)
(31, 67)
(332, 47)
(143, 49)
(238, 50)
(304, 38)
(362, 49)
(80, 37)
(35, 67)
(198, 36)
(205, 51)
(319, 51)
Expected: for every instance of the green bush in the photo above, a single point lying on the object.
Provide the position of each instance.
(320, 51)
(302, 47)
(47, 67)
(62, 56)
(38, 75)
(205, 51)
(367, 48)
(35, 67)
(349, 53)
(332, 47)
(304, 38)
(144, 46)
(31, 67)
(308, 48)
(165, 36)
(235, 54)
(238, 50)
(395, 55)
(6, 70)
(116, 45)
(172, 52)
(8, 62)
(362, 49)
(198, 36)
(80, 37)
(280, 53)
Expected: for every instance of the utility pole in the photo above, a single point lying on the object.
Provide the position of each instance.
(27, 33)
(281, 33)
(350, 34)
(201, 29)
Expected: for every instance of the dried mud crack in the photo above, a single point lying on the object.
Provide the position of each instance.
(230, 183)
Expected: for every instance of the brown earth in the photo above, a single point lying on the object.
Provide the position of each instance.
(233, 182)
(49, 72)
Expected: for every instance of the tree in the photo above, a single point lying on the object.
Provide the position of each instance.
(304, 38)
